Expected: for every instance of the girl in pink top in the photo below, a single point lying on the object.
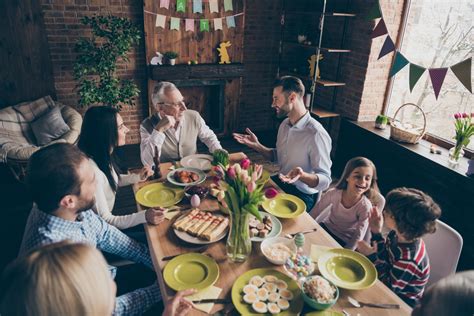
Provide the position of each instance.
(347, 221)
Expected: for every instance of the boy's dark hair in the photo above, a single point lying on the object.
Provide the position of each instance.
(290, 84)
(414, 212)
(52, 174)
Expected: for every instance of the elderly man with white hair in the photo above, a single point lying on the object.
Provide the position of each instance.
(173, 129)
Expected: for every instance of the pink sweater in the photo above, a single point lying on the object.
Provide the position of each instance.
(348, 224)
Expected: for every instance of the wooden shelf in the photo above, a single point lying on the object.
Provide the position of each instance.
(323, 113)
(200, 71)
(329, 83)
(324, 49)
(319, 13)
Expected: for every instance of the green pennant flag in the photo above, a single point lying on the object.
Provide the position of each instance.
(415, 74)
(204, 25)
(180, 5)
(375, 12)
(398, 64)
(462, 71)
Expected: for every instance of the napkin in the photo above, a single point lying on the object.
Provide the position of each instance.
(317, 251)
(210, 292)
(171, 212)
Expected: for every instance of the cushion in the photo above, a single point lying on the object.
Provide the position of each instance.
(49, 127)
(34, 109)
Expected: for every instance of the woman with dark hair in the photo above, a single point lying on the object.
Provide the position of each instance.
(102, 131)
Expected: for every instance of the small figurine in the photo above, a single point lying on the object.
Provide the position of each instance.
(157, 60)
(223, 54)
(312, 65)
(434, 149)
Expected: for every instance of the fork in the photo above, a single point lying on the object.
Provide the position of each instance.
(303, 232)
(358, 304)
(198, 249)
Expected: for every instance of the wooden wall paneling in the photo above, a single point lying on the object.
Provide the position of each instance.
(25, 64)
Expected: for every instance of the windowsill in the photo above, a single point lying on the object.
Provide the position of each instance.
(421, 149)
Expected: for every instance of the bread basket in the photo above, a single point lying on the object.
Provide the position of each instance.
(407, 132)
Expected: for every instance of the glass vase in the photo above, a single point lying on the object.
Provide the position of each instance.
(239, 245)
(455, 154)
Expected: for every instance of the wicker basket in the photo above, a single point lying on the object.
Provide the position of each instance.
(402, 134)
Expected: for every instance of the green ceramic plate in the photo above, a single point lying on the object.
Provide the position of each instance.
(284, 206)
(159, 194)
(347, 269)
(296, 304)
(200, 173)
(276, 229)
(325, 313)
(264, 178)
(191, 270)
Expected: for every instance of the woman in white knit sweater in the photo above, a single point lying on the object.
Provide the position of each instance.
(102, 131)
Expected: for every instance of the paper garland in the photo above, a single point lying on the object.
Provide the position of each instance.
(197, 5)
(213, 6)
(461, 70)
(204, 24)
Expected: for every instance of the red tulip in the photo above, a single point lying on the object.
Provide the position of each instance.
(457, 115)
(245, 163)
(464, 115)
(231, 173)
(270, 193)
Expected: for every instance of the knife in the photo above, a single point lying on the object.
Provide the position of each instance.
(212, 300)
(198, 249)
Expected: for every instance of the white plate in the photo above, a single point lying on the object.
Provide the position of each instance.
(201, 174)
(198, 161)
(194, 240)
(276, 228)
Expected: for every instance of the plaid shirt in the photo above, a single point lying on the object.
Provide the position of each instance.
(89, 228)
(404, 268)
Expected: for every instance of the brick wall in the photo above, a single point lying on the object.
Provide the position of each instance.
(63, 28)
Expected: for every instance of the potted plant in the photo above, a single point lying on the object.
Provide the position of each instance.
(464, 128)
(171, 57)
(381, 121)
(96, 62)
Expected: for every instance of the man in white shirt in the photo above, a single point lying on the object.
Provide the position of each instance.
(303, 146)
(173, 129)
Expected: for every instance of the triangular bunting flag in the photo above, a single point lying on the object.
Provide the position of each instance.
(230, 21)
(160, 21)
(189, 25)
(437, 76)
(204, 25)
(379, 30)
(165, 4)
(415, 74)
(387, 47)
(462, 71)
(218, 24)
(197, 6)
(228, 5)
(174, 24)
(375, 12)
(398, 64)
(213, 6)
(180, 5)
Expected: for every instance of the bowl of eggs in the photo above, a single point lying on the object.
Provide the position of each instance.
(278, 249)
(319, 293)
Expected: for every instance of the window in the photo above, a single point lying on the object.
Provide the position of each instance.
(438, 33)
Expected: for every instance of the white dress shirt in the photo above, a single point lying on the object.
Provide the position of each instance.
(307, 145)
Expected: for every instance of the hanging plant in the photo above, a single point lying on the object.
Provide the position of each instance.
(96, 63)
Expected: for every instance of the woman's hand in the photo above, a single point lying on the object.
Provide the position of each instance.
(375, 221)
(178, 306)
(364, 248)
(145, 173)
(154, 216)
(292, 176)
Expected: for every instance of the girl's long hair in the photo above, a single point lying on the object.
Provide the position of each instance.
(98, 139)
(354, 163)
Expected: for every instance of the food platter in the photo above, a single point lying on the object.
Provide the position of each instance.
(192, 176)
(275, 231)
(197, 161)
(199, 227)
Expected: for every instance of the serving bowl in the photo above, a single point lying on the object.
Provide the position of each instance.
(315, 303)
(268, 243)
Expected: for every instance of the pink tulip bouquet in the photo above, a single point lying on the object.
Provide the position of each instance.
(239, 194)
(464, 127)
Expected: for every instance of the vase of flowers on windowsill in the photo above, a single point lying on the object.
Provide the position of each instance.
(464, 128)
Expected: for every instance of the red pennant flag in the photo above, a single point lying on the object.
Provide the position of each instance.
(437, 76)
(380, 29)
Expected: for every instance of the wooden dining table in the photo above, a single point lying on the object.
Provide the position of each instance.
(163, 242)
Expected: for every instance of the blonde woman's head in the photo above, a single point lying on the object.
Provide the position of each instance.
(58, 279)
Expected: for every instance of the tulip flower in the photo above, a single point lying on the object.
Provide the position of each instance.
(456, 116)
(464, 115)
(221, 196)
(245, 163)
(218, 170)
(231, 172)
(259, 170)
(251, 186)
(254, 176)
(270, 193)
(237, 168)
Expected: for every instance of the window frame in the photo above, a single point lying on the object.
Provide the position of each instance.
(437, 140)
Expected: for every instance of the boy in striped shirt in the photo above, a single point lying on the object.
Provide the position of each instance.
(401, 258)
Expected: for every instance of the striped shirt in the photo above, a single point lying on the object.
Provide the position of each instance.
(404, 268)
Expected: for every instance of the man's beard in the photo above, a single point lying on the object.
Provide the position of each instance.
(87, 206)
